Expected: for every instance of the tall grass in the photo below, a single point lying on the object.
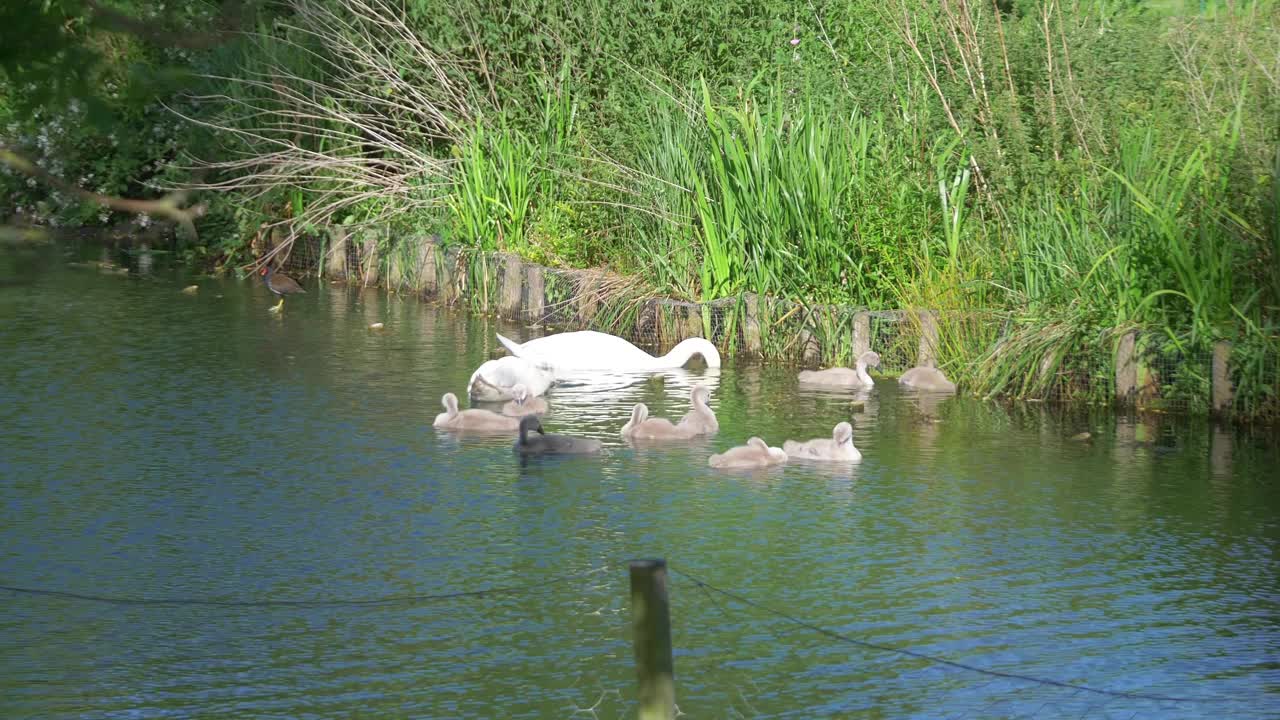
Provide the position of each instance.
(771, 199)
(493, 188)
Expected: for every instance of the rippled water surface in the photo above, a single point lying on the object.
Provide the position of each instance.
(160, 445)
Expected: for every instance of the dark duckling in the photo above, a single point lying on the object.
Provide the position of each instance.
(543, 444)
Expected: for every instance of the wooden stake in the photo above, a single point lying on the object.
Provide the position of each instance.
(651, 625)
(1221, 390)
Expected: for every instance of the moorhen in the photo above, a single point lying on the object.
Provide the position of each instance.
(279, 284)
(547, 444)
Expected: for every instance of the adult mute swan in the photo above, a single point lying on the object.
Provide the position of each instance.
(700, 420)
(927, 378)
(524, 404)
(591, 350)
(839, 447)
(495, 380)
(544, 444)
(844, 377)
(643, 427)
(454, 419)
(755, 454)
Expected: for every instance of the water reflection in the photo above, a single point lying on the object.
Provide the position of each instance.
(199, 446)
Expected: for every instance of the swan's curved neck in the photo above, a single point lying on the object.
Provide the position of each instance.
(686, 349)
(678, 356)
(861, 369)
(699, 404)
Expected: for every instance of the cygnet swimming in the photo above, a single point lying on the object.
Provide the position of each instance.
(838, 447)
(474, 419)
(927, 378)
(700, 420)
(643, 427)
(534, 441)
(755, 454)
(495, 380)
(524, 403)
(844, 377)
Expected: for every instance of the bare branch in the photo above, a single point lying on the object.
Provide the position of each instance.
(170, 206)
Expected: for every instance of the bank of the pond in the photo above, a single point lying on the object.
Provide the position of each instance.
(1140, 372)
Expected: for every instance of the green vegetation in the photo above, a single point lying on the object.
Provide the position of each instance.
(1046, 175)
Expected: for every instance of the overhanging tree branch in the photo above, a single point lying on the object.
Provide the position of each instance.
(172, 206)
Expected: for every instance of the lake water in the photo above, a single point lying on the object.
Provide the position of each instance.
(156, 445)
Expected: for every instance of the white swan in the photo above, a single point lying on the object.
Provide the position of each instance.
(453, 419)
(494, 380)
(844, 377)
(839, 447)
(700, 420)
(755, 454)
(927, 378)
(591, 350)
(643, 427)
(524, 404)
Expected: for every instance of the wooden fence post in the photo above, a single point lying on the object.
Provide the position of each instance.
(428, 282)
(1127, 368)
(861, 334)
(450, 282)
(651, 625)
(512, 286)
(369, 258)
(928, 352)
(335, 265)
(1221, 390)
(751, 324)
(535, 293)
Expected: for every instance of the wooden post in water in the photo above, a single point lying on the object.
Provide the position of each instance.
(335, 265)
(450, 283)
(692, 322)
(810, 347)
(1221, 389)
(535, 296)
(928, 352)
(651, 626)
(369, 259)
(512, 286)
(1127, 368)
(396, 272)
(426, 273)
(751, 324)
(861, 334)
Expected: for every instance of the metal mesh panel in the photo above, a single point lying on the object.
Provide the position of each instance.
(304, 255)
(561, 307)
(1174, 378)
(726, 318)
(897, 339)
(1083, 376)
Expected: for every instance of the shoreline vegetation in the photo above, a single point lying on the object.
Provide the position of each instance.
(1054, 179)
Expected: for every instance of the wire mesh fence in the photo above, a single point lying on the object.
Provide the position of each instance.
(1146, 371)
